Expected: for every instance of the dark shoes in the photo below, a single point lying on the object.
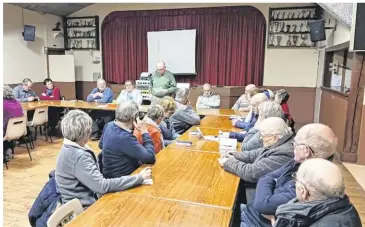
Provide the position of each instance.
(95, 137)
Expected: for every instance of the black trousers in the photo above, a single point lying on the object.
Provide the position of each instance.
(100, 119)
(54, 116)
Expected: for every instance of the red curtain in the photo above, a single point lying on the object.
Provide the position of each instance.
(230, 43)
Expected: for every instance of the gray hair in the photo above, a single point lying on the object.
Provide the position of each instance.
(8, 92)
(26, 81)
(258, 98)
(274, 126)
(270, 109)
(320, 138)
(182, 94)
(76, 126)
(314, 172)
(126, 111)
(155, 112)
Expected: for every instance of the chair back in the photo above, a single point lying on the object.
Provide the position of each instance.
(40, 116)
(65, 213)
(17, 127)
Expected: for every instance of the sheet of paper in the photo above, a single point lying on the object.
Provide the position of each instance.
(102, 106)
(226, 143)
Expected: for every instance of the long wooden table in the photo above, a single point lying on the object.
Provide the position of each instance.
(111, 107)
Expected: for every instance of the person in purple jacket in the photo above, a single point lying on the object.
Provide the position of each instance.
(277, 188)
(11, 108)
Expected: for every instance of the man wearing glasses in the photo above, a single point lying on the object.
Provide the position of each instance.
(277, 188)
(162, 82)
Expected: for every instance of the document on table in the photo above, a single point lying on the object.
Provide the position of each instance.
(227, 144)
(102, 106)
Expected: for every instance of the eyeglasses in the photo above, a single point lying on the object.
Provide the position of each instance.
(295, 144)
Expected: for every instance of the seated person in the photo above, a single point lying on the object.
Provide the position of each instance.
(243, 123)
(277, 188)
(277, 151)
(253, 137)
(121, 152)
(130, 93)
(11, 109)
(168, 132)
(100, 94)
(208, 99)
(77, 173)
(244, 100)
(152, 120)
(184, 116)
(282, 97)
(269, 94)
(51, 92)
(320, 198)
(24, 92)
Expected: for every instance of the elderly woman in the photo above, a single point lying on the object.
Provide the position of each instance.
(277, 150)
(246, 124)
(282, 97)
(11, 108)
(77, 174)
(244, 100)
(168, 132)
(121, 152)
(153, 119)
(130, 93)
(184, 117)
(269, 94)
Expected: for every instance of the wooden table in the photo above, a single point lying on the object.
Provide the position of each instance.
(111, 107)
(122, 209)
(219, 122)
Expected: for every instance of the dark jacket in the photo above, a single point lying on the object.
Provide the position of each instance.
(45, 204)
(335, 212)
(247, 125)
(168, 132)
(252, 165)
(122, 154)
(273, 189)
(252, 140)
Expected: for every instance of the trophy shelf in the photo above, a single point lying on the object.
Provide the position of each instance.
(289, 33)
(295, 19)
(82, 37)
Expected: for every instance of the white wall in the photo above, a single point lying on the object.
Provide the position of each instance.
(288, 67)
(21, 58)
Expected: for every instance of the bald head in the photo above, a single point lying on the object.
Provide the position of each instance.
(315, 141)
(321, 178)
(249, 87)
(161, 67)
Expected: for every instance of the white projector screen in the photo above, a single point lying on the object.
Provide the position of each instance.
(176, 48)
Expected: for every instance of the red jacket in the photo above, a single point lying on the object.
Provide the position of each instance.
(56, 94)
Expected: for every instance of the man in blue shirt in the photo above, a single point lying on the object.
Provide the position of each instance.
(100, 94)
(23, 92)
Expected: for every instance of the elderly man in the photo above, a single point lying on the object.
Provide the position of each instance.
(121, 153)
(77, 172)
(244, 100)
(130, 93)
(24, 93)
(208, 99)
(277, 188)
(184, 116)
(320, 198)
(162, 83)
(277, 150)
(251, 118)
(100, 94)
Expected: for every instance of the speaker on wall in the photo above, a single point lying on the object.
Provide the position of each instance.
(357, 37)
(317, 31)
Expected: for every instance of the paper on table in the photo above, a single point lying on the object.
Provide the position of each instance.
(226, 143)
(102, 106)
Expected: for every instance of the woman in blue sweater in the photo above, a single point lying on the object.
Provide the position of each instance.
(121, 152)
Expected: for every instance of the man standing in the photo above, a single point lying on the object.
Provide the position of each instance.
(208, 99)
(162, 82)
(23, 92)
(100, 94)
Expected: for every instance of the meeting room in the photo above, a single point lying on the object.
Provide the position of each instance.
(183, 114)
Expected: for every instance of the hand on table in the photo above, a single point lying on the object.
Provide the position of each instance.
(234, 121)
(146, 173)
(31, 98)
(221, 161)
(44, 94)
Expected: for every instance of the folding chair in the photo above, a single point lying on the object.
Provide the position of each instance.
(65, 213)
(40, 118)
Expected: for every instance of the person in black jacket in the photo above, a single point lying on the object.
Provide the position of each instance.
(320, 198)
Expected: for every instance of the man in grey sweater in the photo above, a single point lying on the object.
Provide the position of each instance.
(208, 99)
(77, 172)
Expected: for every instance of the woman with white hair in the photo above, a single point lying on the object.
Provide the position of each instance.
(253, 114)
(153, 119)
(121, 153)
(77, 174)
(277, 150)
(184, 116)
